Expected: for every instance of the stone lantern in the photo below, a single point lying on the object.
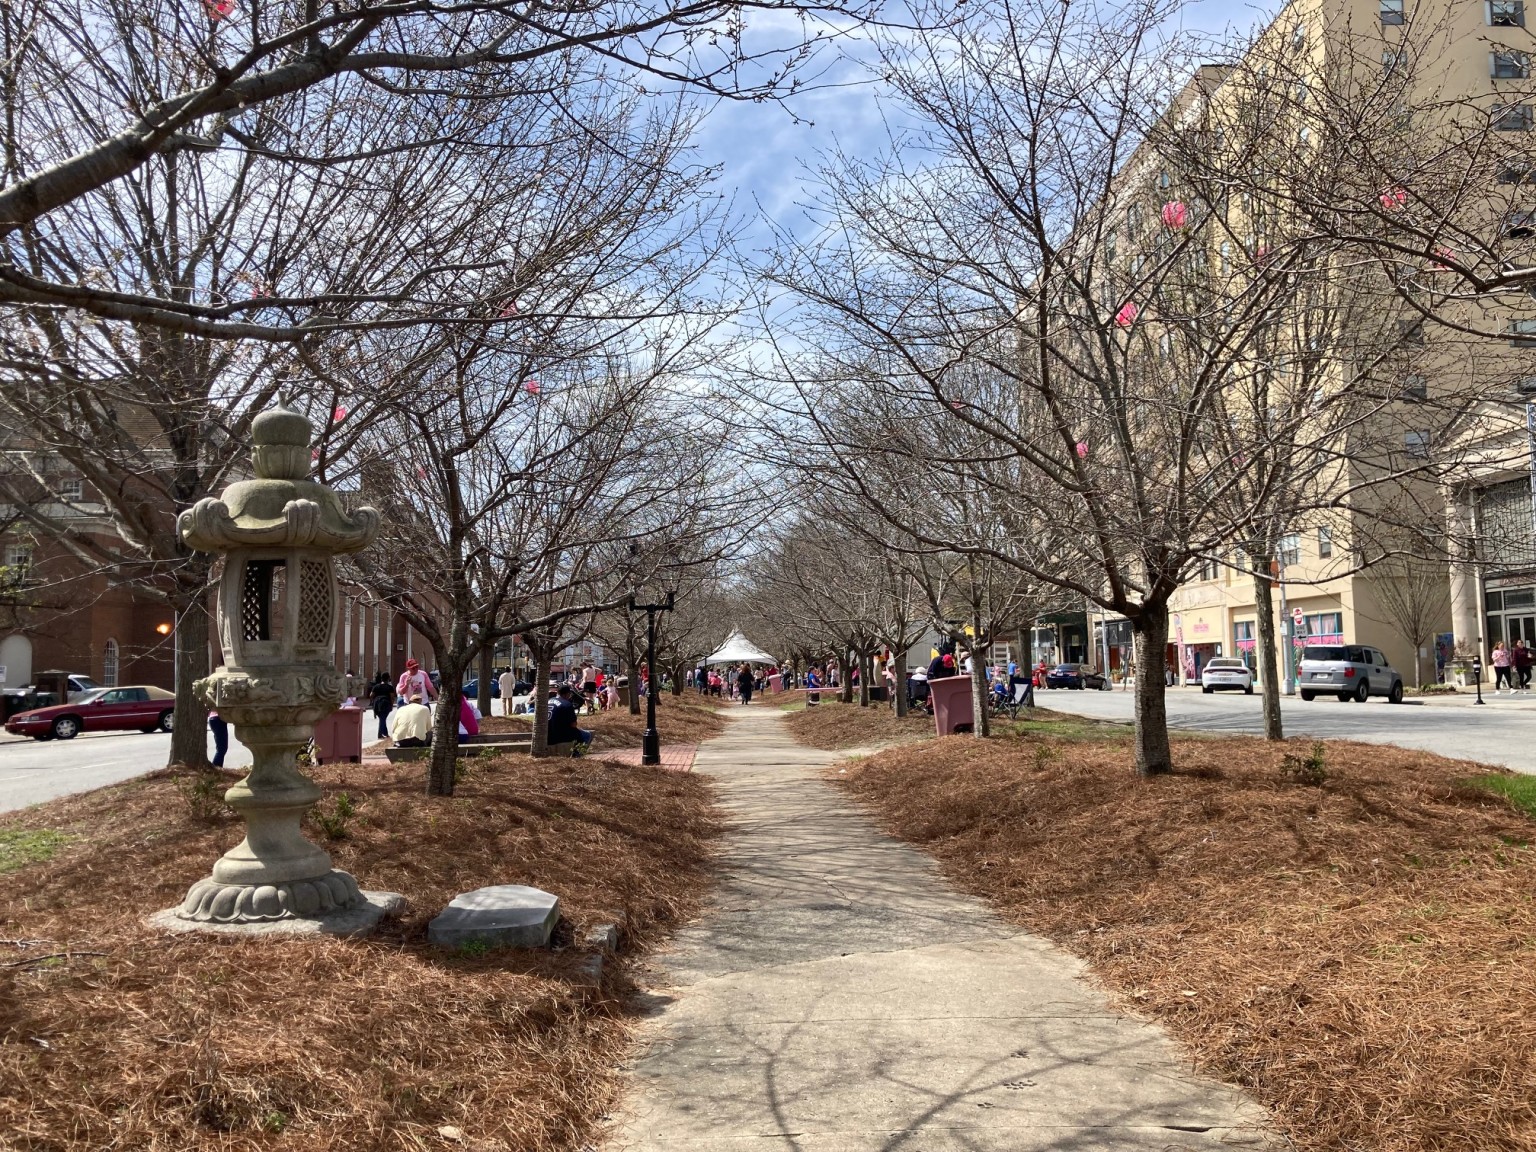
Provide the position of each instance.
(280, 534)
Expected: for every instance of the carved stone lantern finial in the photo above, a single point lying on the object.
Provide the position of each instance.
(280, 534)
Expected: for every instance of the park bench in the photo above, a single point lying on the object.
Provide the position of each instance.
(479, 748)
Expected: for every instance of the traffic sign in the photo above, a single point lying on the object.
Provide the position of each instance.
(1296, 616)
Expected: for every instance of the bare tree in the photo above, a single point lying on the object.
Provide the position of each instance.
(95, 91)
(1054, 303)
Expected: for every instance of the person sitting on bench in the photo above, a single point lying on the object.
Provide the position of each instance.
(562, 720)
(411, 725)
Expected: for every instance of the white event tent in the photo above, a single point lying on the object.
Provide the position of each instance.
(737, 649)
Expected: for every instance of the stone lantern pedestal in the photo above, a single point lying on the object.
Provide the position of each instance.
(280, 534)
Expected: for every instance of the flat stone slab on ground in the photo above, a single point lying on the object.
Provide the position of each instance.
(347, 922)
(505, 915)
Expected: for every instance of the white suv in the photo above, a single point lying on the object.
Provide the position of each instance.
(1348, 671)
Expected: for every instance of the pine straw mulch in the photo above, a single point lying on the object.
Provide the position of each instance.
(832, 725)
(147, 1040)
(1359, 955)
(685, 719)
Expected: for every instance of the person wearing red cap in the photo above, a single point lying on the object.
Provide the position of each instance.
(414, 682)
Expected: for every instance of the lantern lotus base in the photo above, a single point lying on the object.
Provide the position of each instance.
(209, 901)
(358, 920)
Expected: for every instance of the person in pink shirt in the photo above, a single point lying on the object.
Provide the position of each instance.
(414, 682)
(469, 718)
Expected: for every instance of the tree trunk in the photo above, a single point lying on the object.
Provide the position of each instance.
(1150, 630)
(634, 677)
(483, 696)
(1269, 677)
(189, 731)
(866, 666)
(677, 678)
(542, 663)
(1026, 657)
(845, 668)
(980, 690)
(900, 689)
(445, 728)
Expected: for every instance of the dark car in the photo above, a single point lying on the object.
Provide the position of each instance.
(472, 689)
(1075, 676)
(141, 708)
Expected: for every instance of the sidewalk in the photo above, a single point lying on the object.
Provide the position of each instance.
(841, 997)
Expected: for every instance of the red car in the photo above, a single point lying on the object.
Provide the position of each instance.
(99, 710)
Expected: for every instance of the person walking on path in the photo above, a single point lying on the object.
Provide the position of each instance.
(1501, 670)
(382, 698)
(507, 682)
(220, 729)
(841, 994)
(1521, 659)
(744, 683)
(414, 682)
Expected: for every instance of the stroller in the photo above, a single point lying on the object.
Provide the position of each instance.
(918, 694)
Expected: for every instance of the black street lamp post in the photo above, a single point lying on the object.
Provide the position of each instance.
(650, 748)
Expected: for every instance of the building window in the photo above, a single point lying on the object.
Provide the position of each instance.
(1290, 549)
(18, 559)
(1411, 332)
(1324, 624)
(1511, 117)
(1522, 333)
(1511, 65)
(1133, 221)
(1526, 387)
(1416, 443)
(71, 491)
(1324, 542)
(1299, 35)
(1392, 61)
(1226, 257)
(1391, 11)
(1164, 180)
(109, 665)
(1506, 13)
(1415, 387)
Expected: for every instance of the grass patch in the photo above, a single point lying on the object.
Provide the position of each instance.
(1518, 790)
(132, 1038)
(22, 846)
(1355, 953)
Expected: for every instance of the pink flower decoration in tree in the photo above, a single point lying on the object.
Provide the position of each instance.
(532, 387)
(1127, 314)
(1442, 254)
(314, 454)
(340, 414)
(1175, 214)
(510, 310)
(1082, 449)
(1394, 199)
(218, 9)
(421, 473)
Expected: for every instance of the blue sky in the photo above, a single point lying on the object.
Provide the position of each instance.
(766, 156)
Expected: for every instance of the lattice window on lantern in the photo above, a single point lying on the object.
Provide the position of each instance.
(314, 603)
(261, 590)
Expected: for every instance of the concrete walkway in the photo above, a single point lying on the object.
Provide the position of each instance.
(841, 997)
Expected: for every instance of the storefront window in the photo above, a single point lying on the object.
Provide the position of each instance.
(1244, 640)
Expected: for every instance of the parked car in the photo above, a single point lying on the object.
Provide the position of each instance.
(146, 709)
(1348, 671)
(472, 689)
(1075, 676)
(1226, 674)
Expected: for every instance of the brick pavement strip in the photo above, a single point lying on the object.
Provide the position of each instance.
(674, 757)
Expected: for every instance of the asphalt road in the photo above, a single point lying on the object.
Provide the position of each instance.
(1503, 732)
(32, 771)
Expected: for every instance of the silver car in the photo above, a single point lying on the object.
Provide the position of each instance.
(1348, 671)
